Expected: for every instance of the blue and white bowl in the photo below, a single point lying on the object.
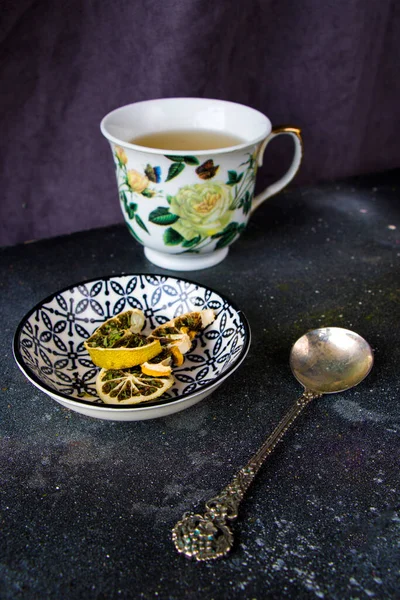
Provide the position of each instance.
(49, 341)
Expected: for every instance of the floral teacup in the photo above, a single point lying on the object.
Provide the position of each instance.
(187, 206)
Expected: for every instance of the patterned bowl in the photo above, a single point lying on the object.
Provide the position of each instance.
(48, 343)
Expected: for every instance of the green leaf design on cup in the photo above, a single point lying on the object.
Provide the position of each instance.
(175, 169)
(228, 234)
(130, 207)
(178, 165)
(172, 237)
(140, 223)
(175, 158)
(234, 178)
(148, 193)
(191, 243)
(245, 203)
(191, 160)
(162, 216)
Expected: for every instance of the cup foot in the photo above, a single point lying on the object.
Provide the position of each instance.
(185, 262)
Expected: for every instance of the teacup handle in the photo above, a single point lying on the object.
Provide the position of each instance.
(276, 187)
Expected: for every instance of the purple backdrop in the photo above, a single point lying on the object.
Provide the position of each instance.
(330, 67)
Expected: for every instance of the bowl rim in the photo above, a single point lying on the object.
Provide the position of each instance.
(31, 375)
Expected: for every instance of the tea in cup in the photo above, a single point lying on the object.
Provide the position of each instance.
(186, 171)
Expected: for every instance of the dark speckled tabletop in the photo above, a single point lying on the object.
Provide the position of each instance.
(87, 506)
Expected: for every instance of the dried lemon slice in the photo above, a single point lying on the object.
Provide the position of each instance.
(130, 386)
(178, 333)
(176, 338)
(117, 343)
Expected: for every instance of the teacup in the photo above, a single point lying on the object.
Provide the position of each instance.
(187, 200)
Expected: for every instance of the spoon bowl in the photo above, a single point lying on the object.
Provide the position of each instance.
(330, 360)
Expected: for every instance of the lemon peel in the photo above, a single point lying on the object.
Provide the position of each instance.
(177, 356)
(157, 369)
(117, 343)
(124, 358)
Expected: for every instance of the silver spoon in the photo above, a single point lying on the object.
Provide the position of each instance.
(324, 361)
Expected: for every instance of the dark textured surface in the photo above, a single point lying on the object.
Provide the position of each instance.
(87, 506)
(329, 67)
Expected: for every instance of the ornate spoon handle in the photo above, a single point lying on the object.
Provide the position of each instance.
(208, 536)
